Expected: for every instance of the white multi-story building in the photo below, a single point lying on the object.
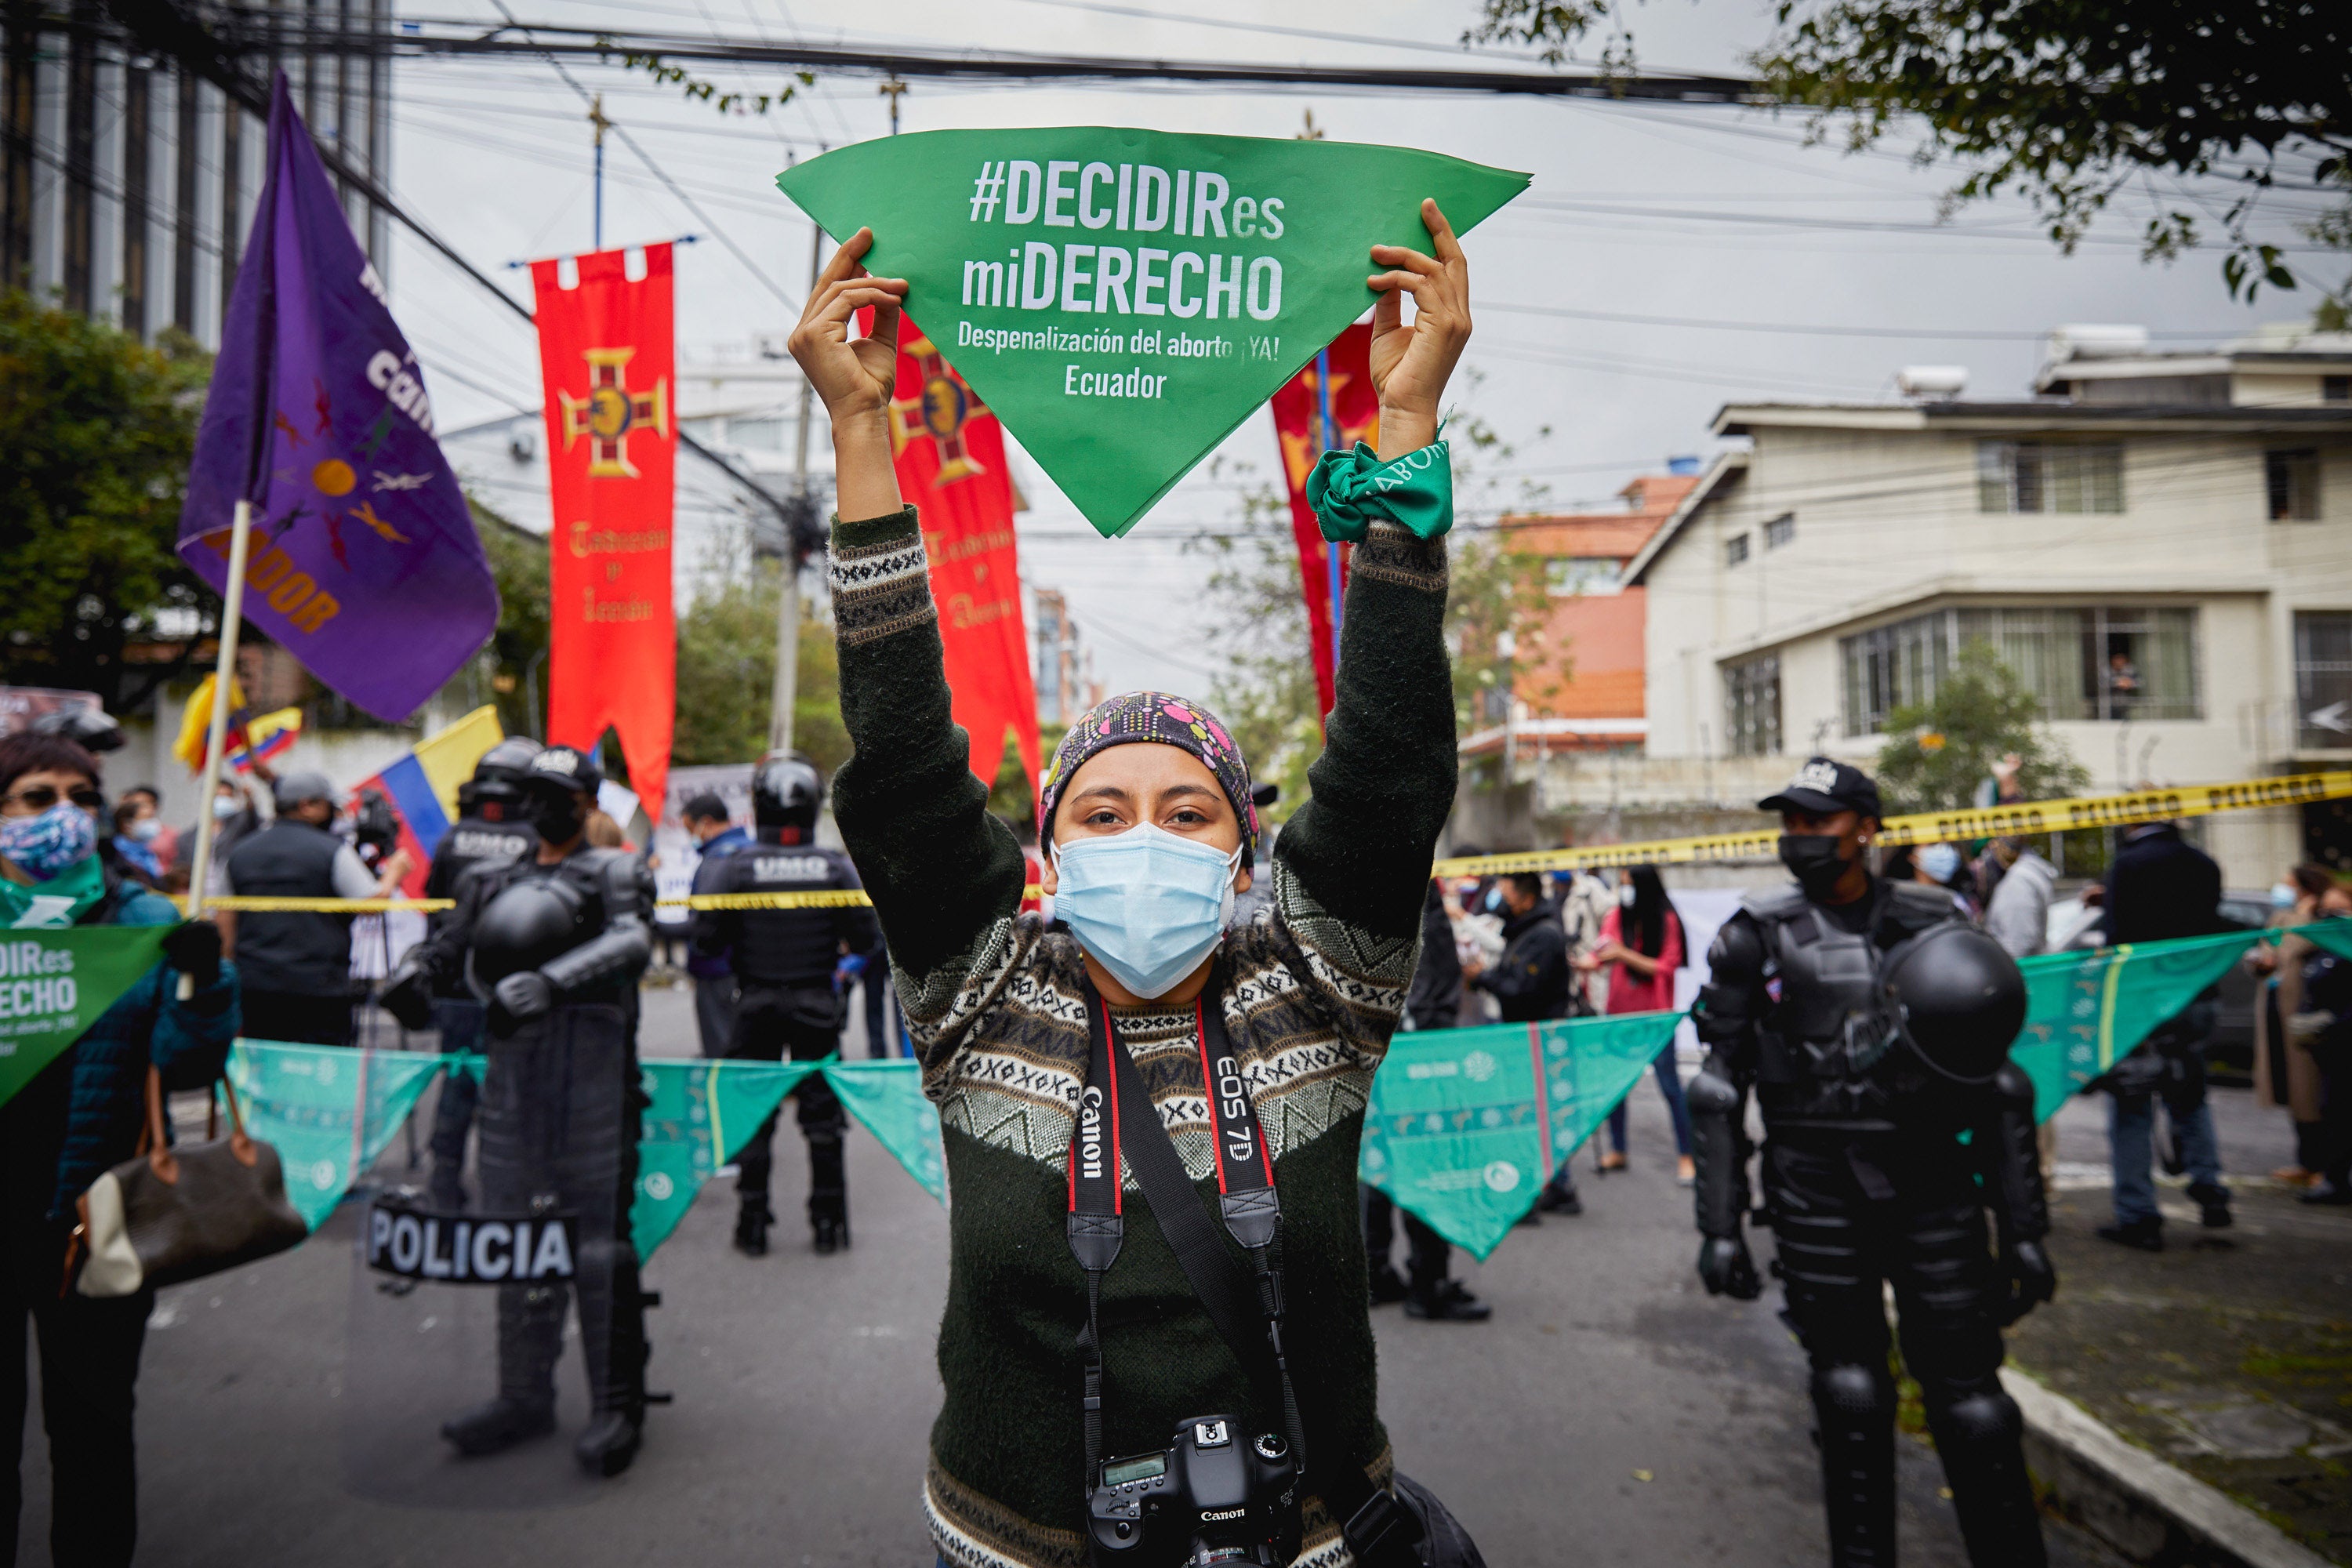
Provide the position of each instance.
(2158, 543)
(127, 182)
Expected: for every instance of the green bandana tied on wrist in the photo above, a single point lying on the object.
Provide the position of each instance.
(1349, 490)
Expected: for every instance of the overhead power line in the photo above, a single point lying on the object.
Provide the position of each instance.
(161, 26)
(423, 36)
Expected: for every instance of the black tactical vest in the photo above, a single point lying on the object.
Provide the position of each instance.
(1827, 1045)
(307, 955)
(784, 948)
(472, 842)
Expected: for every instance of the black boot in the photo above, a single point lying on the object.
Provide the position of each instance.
(610, 1441)
(2140, 1235)
(1854, 1411)
(498, 1425)
(1979, 1438)
(1388, 1285)
(2212, 1201)
(1447, 1302)
(1559, 1196)
(531, 1337)
(829, 1233)
(752, 1223)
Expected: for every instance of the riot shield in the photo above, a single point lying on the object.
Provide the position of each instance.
(466, 1385)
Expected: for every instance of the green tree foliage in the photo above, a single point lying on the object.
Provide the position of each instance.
(516, 655)
(1936, 753)
(726, 672)
(98, 428)
(2070, 101)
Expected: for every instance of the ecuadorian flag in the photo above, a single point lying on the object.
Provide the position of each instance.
(423, 786)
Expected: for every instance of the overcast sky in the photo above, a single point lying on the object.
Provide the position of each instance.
(1705, 213)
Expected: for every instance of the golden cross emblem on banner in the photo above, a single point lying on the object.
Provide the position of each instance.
(938, 411)
(611, 414)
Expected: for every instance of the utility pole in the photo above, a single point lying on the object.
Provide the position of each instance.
(893, 90)
(596, 118)
(788, 601)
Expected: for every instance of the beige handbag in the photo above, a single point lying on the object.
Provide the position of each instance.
(168, 1215)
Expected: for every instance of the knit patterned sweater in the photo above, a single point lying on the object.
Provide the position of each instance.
(996, 1009)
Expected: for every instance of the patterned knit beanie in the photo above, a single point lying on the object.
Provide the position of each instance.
(1152, 716)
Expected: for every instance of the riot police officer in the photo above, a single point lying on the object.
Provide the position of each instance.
(1874, 1027)
(784, 961)
(490, 831)
(553, 944)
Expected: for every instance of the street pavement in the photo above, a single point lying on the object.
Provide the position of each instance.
(1610, 1412)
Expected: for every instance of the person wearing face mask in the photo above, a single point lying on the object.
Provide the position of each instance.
(134, 844)
(163, 840)
(789, 1004)
(553, 944)
(1532, 981)
(1874, 1026)
(1270, 1031)
(296, 966)
(1641, 951)
(75, 1119)
(235, 817)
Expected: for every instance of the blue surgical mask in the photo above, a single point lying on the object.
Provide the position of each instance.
(1148, 904)
(2282, 895)
(1940, 861)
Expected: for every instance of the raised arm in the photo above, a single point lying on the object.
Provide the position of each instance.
(940, 870)
(1360, 849)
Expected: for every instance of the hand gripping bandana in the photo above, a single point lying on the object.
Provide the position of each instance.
(1152, 716)
(1350, 490)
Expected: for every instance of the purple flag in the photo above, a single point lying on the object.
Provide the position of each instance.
(363, 562)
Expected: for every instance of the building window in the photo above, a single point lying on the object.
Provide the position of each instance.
(2121, 663)
(1752, 706)
(2049, 476)
(2291, 484)
(1780, 530)
(1570, 574)
(2336, 389)
(1735, 549)
(2323, 679)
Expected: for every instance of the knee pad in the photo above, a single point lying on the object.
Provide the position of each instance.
(1855, 1390)
(1984, 1416)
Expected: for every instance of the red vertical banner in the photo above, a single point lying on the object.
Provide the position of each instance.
(606, 349)
(949, 451)
(1298, 411)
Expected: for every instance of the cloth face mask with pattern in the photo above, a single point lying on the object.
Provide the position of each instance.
(1148, 904)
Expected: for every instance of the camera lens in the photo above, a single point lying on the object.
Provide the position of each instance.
(1270, 1446)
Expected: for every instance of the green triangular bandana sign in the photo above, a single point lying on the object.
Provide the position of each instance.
(701, 1115)
(55, 984)
(1120, 298)
(1464, 1125)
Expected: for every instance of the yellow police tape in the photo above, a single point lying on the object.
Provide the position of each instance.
(2020, 819)
(831, 899)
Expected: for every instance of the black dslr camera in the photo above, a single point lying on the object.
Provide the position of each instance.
(1230, 1499)
(375, 830)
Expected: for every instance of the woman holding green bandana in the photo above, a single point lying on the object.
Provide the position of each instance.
(1261, 1038)
(77, 1117)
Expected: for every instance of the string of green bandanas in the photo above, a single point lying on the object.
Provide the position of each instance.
(1351, 491)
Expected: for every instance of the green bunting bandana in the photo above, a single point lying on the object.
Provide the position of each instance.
(1349, 490)
(59, 901)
